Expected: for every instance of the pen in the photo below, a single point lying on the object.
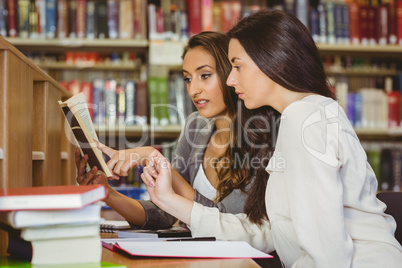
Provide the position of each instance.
(193, 239)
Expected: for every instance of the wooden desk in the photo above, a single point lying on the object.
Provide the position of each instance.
(129, 261)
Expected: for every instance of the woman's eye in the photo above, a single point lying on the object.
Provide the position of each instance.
(187, 80)
(236, 67)
(205, 76)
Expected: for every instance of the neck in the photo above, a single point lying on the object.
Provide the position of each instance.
(222, 132)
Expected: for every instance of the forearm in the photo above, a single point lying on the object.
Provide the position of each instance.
(181, 186)
(177, 206)
(129, 208)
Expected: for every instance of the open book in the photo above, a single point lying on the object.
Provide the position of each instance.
(77, 115)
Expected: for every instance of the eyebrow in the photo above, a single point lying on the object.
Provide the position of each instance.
(199, 68)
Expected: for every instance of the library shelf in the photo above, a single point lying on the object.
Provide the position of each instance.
(379, 133)
(137, 131)
(361, 72)
(383, 49)
(61, 45)
(89, 66)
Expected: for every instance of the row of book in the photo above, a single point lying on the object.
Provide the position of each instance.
(53, 225)
(163, 100)
(386, 160)
(371, 107)
(337, 63)
(124, 19)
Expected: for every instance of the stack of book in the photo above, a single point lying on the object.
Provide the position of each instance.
(52, 225)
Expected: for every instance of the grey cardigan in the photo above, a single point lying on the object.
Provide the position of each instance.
(187, 159)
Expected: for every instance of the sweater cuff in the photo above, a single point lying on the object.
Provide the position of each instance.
(196, 217)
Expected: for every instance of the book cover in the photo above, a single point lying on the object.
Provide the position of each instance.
(62, 19)
(101, 19)
(72, 15)
(392, 30)
(12, 18)
(81, 18)
(363, 18)
(79, 120)
(50, 197)
(51, 13)
(371, 25)
(113, 18)
(23, 18)
(190, 249)
(90, 17)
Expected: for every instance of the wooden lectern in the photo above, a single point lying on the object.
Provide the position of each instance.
(34, 150)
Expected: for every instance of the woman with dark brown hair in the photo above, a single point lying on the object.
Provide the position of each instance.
(208, 166)
(321, 193)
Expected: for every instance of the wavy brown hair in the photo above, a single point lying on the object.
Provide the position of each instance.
(235, 172)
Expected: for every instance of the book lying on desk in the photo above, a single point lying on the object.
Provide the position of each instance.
(163, 233)
(110, 226)
(50, 197)
(79, 121)
(31, 218)
(184, 249)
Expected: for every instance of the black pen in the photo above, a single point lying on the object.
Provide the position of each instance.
(193, 239)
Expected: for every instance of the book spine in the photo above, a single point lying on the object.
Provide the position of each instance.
(350, 108)
(382, 24)
(141, 102)
(322, 17)
(302, 7)
(86, 88)
(363, 18)
(98, 101)
(163, 93)
(386, 172)
(12, 18)
(153, 100)
(393, 108)
(397, 169)
(152, 22)
(113, 18)
(72, 15)
(140, 19)
(62, 19)
(315, 25)
(130, 102)
(90, 23)
(358, 101)
(101, 19)
(206, 15)
(110, 102)
(236, 12)
(121, 103)
(3, 18)
(41, 10)
(194, 9)
(33, 21)
(330, 12)
(166, 19)
(399, 22)
(81, 18)
(345, 23)
(23, 18)
(354, 25)
(51, 18)
(126, 19)
(392, 31)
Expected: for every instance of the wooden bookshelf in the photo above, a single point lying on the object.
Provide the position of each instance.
(31, 127)
(369, 49)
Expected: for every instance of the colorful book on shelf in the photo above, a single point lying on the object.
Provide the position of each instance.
(90, 19)
(81, 18)
(12, 18)
(101, 19)
(186, 249)
(50, 197)
(113, 18)
(35, 218)
(23, 18)
(72, 18)
(62, 18)
(77, 115)
(51, 14)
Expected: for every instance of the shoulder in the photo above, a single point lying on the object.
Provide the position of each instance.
(196, 123)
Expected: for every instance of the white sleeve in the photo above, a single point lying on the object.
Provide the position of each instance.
(206, 221)
(311, 146)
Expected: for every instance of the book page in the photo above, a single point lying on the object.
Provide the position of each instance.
(80, 104)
